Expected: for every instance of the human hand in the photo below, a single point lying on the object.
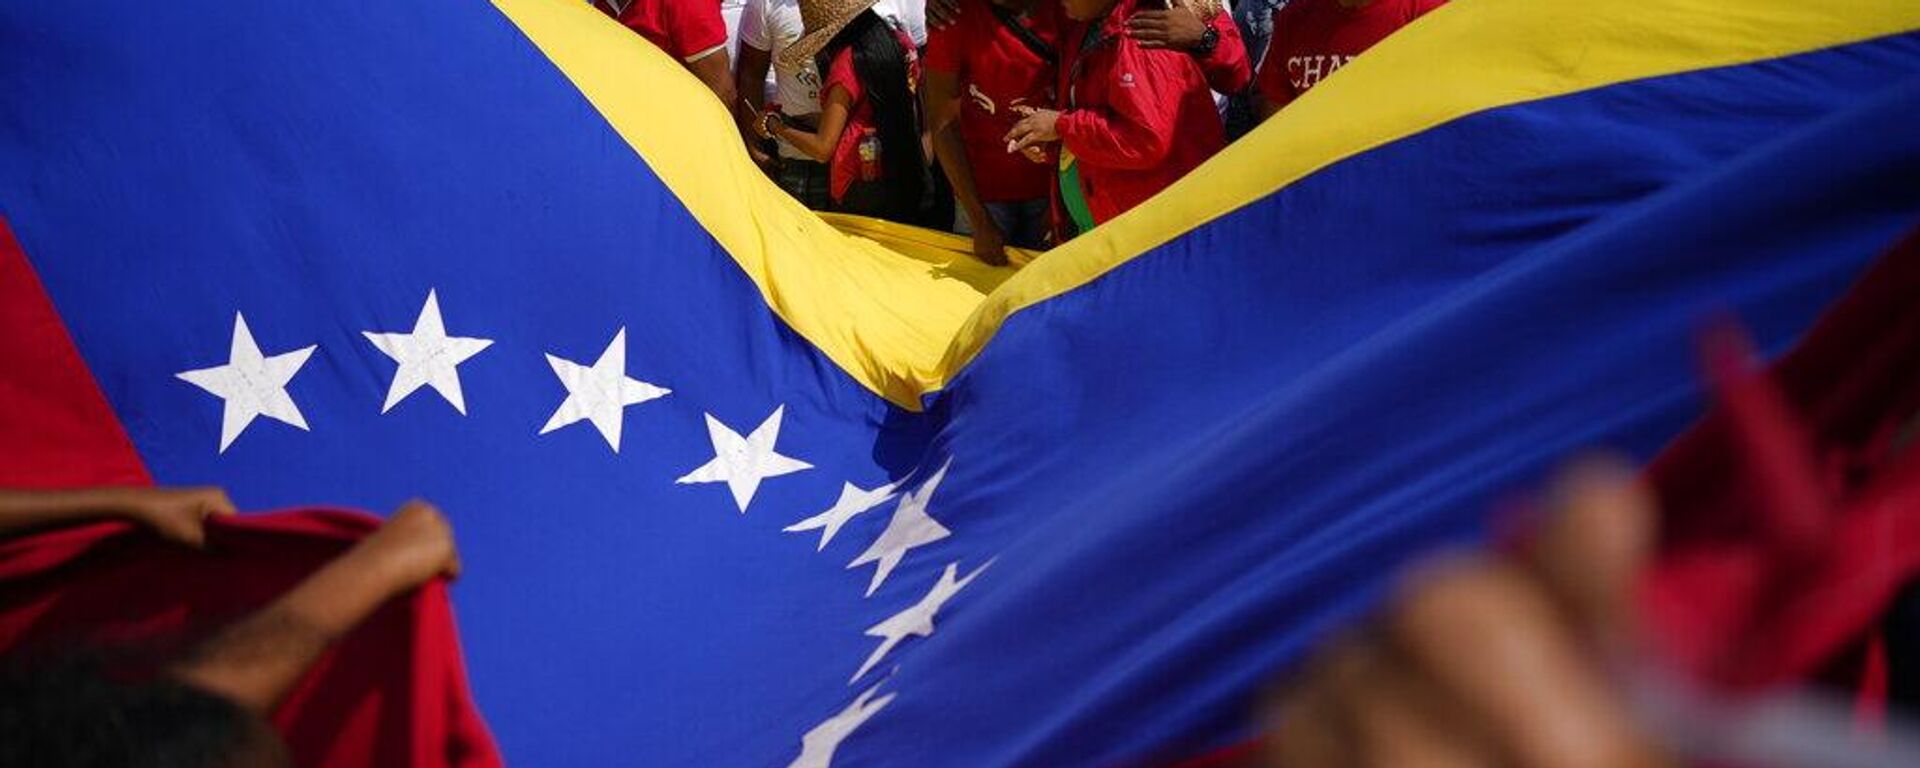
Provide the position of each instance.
(175, 514)
(1036, 127)
(414, 545)
(770, 124)
(942, 13)
(1178, 27)
(989, 245)
(762, 158)
(1489, 660)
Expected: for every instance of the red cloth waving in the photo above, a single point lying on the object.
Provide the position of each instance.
(391, 693)
(1793, 510)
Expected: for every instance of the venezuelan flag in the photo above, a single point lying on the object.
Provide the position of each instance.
(737, 484)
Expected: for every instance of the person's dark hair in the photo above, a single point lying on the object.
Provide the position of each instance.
(68, 712)
(880, 63)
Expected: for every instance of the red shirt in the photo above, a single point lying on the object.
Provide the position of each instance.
(690, 30)
(846, 164)
(1313, 38)
(1136, 119)
(998, 72)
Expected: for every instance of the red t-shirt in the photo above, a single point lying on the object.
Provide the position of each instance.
(689, 30)
(998, 72)
(1313, 38)
(847, 165)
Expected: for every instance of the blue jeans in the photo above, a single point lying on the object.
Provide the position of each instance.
(1022, 223)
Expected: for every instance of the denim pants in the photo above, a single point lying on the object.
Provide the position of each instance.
(1022, 223)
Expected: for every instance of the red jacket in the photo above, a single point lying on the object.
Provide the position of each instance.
(1136, 119)
(1228, 68)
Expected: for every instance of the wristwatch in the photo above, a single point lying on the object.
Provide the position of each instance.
(1209, 39)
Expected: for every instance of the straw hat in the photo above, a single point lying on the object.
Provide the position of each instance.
(822, 19)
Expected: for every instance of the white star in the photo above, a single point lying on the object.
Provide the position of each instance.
(817, 747)
(427, 357)
(910, 527)
(742, 462)
(853, 501)
(916, 620)
(251, 384)
(600, 393)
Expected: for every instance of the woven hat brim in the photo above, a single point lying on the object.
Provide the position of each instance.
(797, 55)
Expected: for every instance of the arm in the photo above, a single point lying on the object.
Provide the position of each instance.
(940, 100)
(1227, 66)
(714, 70)
(749, 81)
(698, 35)
(258, 660)
(177, 514)
(1183, 28)
(750, 78)
(819, 143)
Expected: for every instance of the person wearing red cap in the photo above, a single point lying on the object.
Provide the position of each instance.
(1132, 120)
(1314, 38)
(692, 31)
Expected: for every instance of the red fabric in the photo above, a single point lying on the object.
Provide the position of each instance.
(58, 430)
(1794, 513)
(844, 167)
(997, 72)
(1136, 119)
(687, 29)
(1227, 67)
(1313, 38)
(391, 693)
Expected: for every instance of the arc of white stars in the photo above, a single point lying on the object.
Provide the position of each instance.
(427, 357)
(251, 384)
(742, 462)
(910, 527)
(600, 393)
(818, 745)
(917, 619)
(853, 501)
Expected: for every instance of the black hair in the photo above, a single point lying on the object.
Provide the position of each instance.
(70, 712)
(880, 63)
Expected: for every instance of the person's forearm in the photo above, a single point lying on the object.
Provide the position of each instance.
(716, 72)
(259, 659)
(953, 160)
(32, 510)
(809, 143)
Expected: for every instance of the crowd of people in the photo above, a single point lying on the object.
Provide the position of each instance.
(1021, 123)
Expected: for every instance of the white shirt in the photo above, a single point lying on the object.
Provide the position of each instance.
(730, 12)
(772, 25)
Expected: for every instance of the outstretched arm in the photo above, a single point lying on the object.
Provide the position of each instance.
(257, 661)
(177, 514)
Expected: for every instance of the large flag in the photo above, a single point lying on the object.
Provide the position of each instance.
(737, 488)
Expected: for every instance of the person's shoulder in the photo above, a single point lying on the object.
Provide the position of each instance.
(840, 69)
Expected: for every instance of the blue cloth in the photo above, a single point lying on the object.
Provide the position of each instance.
(1176, 477)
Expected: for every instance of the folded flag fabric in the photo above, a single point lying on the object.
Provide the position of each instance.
(735, 487)
(390, 693)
